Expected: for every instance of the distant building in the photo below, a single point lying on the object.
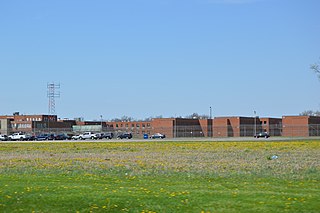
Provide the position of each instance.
(182, 127)
(289, 126)
(245, 126)
(33, 123)
(301, 126)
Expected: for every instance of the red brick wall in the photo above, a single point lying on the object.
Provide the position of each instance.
(220, 127)
(295, 126)
(164, 126)
(206, 126)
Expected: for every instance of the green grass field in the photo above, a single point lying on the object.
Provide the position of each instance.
(160, 177)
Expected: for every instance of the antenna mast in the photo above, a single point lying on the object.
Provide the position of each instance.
(52, 94)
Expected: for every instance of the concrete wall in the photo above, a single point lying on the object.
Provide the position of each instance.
(5, 126)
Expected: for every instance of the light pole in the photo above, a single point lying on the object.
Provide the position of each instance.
(101, 122)
(255, 123)
(210, 126)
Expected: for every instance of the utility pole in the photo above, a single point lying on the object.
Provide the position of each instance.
(255, 123)
(101, 122)
(210, 126)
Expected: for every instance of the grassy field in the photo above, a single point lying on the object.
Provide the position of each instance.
(160, 177)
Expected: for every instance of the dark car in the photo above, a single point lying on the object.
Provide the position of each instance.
(108, 135)
(262, 135)
(125, 135)
(158, 135)
(62, 137)
(44, 137)
(30, 138)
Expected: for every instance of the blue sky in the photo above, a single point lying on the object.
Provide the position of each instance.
(143, 58)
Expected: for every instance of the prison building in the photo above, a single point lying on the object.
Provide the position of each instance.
(300, 126)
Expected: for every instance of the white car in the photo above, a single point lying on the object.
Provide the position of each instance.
(75, 137)
(17, 137)
(88, 135)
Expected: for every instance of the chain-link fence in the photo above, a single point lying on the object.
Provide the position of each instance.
(196, 131)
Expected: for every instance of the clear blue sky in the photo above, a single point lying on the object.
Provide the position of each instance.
(144, 58)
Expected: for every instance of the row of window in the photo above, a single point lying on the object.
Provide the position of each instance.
(21, 126)
(30, 119)
(133, 125)
(38, 119)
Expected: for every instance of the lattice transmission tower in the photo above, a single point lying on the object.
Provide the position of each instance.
(52, 94)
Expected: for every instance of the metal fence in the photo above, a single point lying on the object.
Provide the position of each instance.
(198, 131)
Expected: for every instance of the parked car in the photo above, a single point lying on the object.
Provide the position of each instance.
(75, 137)
(108, 135)
(262, 135)
(62, 137)
(158, 135)
(88, 135)
(30, 138)
(3, 137)
(99, 136)
(18, 136)
(125, 135)
(44, 137)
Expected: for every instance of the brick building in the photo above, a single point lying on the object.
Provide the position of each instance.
(289, 126)
(235, 126)
(301, 126)
(33, 123)
(245, 126)
(137, 128)
(171, 127)
(271, 125)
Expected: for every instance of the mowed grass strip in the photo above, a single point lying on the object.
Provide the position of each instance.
(160, 177)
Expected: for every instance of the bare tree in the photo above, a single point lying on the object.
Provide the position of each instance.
(316, 68)
(310, 113)
(197, 116)
(123, 118)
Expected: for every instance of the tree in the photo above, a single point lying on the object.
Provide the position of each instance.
(123, 118)
(197, 116)
(310, 113)
(316, 68)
